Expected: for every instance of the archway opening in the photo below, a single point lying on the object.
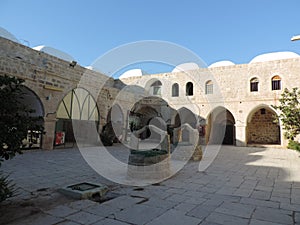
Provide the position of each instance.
(154, 111)
(185, 116)
(112, 131)
(78, 119)
(32, 101)
(262, 127)
(221, 127)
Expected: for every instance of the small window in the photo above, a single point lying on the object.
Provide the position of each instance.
(175, 90)
(276, 83)
(254, 84)
(262, 111)
(209, 87)
(156, 88)
(189, 89)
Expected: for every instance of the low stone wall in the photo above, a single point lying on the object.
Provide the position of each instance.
(148, 165)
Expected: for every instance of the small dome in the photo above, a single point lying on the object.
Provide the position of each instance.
(54, 52)
(185, 67)
(132, 73)
(5, 34)
(274, 56)
(93, 68)
(221, 63)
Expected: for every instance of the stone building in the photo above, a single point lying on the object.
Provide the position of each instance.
(235, 99)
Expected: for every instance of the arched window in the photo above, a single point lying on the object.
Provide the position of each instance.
(209, 87)
(254, 84)
(276, 83)
(175, 90)
(189, 89)
(78, 104)
(156, 88)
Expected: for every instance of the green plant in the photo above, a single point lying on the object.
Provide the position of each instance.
(7, 188)
(294, 145)
(290, 112)
(15, 117)
(15, 121)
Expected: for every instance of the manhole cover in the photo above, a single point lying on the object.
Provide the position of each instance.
(84, 190)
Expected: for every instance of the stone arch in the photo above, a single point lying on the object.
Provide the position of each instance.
(151, 110)
(154, 87)
(261, 126)
(77, 118)
(186, 116)
(115, 119)
(29, 98)
(183, 116)
(220, 127)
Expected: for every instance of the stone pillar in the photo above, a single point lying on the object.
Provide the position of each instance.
(240, 135)
(49, 136)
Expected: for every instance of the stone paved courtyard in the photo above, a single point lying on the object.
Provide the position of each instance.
(242, 186)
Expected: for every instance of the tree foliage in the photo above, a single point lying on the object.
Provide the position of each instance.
(15, 117)
(290, 112)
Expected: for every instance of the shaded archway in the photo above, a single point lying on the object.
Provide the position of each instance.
(220, 127)
(184, 116)
(32, 101)
(262, 127)
(151, 111)
(115, 120)
(78, 119)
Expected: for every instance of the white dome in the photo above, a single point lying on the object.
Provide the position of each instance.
(132, 73)
(185, 67)
(221, 63)
(54, 52)
(274, 56)
(93, 68)
(5, 34)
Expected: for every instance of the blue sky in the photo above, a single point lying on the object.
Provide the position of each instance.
(235, 30)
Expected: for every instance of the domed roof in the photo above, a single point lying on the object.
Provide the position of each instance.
(221, 63)
(54, 52)
(185, 67)
(5, 34)
(93, 68)
(274, 56)
(132, 73)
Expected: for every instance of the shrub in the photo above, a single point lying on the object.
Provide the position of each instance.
(294, 145)
(7, 188)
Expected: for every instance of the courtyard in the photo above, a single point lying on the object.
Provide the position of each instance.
(243, 185)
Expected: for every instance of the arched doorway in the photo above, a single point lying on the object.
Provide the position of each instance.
(185, 116)
(78, 119)
(151, 110)
(140, 118)
(262, 127)
(32, 101)
(221, 127)
(115, 123)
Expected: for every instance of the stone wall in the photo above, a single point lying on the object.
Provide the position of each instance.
(231, 89)
(262, 129)
(51, 78)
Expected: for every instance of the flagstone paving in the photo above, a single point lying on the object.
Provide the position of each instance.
(242, 186)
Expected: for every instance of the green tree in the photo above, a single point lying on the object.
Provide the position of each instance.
(15, 121)
(290, 112)
(15, 117)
